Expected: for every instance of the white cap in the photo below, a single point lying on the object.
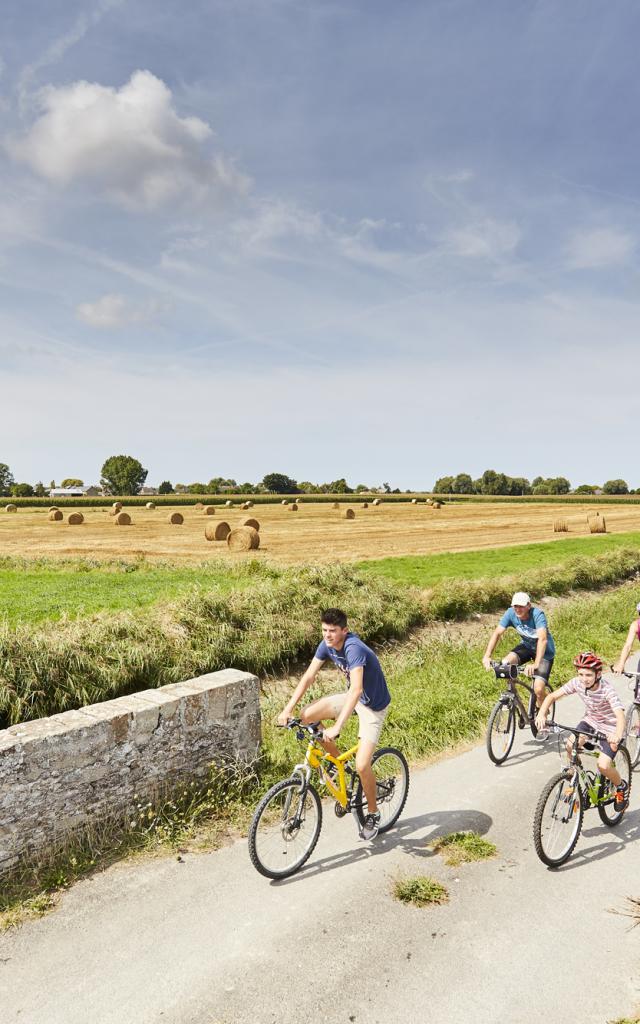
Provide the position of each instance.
(520, 598)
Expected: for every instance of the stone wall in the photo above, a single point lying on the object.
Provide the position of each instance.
(60, 774)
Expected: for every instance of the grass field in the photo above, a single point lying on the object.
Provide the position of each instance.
(426, 570)
(316, 533)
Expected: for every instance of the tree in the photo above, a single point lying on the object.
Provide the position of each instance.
(494, 483)
(6, 479)
(39, 490)
(165, 487)
(362, 489)
(72, 481)
(22, 491)
(197, 488)
(615, 487)
(519, 485)
(247, 488)
(306, 487)
(463, 484)
(586, 489)
(122, 474)
(278, 483)
(338, 487)
(444, 485)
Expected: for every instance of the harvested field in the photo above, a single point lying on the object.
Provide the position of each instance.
(317, 533)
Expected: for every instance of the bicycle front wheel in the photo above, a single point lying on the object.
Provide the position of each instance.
(558, 820)
(501, 731)
(607, 791)
(632, 733)
(285, 828)
(392, 787)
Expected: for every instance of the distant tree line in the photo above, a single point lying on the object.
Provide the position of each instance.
(500, 483)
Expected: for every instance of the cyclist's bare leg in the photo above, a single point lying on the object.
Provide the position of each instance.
(365, 771)
(322, 710)
(539, 689)
(607, 767)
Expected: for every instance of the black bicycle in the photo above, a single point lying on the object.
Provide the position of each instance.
(509, 711)
(632, 720)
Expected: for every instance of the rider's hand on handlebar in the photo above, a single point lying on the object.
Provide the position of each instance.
(529, 671)
(614, 740)
(331, 734)
(618, 668)
(486, 661)
(541, 720)
(283, 718)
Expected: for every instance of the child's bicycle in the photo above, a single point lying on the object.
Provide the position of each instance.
(558, 819)
(632, 720)
(288, 819)
(509, 709)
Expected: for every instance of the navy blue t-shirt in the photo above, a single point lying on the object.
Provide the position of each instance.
(356, 654)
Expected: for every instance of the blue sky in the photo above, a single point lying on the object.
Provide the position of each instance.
(386, 241)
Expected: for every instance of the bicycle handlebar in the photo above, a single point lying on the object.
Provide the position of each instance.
(555, 727)
(507, 670)
(302, 727)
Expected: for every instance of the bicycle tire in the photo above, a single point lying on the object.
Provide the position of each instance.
(263, 834)
(390, 797)
(551, 714)
(608, 814)
(497, 750)
(554, 799)
(632, 733)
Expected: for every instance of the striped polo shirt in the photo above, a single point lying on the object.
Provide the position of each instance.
(600, 703)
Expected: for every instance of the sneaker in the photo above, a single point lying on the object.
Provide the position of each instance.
(371, 826)
(621, 800)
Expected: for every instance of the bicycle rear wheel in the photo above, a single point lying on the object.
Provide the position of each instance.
(501, 731)
(558, 819)
(608, 813)
(632, 733)
(392, 787)
(551, 714)
(285, 828)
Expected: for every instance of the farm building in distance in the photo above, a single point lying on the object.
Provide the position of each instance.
(75, 492)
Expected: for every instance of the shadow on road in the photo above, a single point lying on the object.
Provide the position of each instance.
(403, 837)
(628, 832)
(533, 748)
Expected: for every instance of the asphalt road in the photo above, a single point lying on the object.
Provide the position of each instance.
(209, 941)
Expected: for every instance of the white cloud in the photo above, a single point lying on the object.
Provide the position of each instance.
(600, 247)
(128, 143)
(483, 239)
(113, 311)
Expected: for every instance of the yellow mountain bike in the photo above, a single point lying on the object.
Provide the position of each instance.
(287, 822)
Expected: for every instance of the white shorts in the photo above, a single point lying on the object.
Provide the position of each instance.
(370, 722)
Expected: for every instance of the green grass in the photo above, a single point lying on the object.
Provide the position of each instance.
(48, 591)
(426, 570)
(463, 847)
(420, 891)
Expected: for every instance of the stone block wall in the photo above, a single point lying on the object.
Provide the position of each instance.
(59, 774)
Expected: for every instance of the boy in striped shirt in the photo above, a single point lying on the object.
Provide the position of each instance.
(604, 713)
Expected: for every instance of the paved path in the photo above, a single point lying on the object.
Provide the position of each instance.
(209, 941)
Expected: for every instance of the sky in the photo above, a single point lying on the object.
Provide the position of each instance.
(320, 237)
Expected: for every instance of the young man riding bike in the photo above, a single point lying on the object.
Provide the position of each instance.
(367, 694)
(536, 645)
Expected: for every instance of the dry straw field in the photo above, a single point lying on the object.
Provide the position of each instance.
(318, 532)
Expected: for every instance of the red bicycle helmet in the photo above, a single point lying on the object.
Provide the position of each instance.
(587, 659)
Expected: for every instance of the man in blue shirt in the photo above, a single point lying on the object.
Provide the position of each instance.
(537, 643)
(366, 693)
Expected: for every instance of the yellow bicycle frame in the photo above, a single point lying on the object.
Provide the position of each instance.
(316, 755)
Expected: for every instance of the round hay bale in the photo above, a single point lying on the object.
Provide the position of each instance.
(122, 519)
(243, 539)
(429, 501)
(53, 508)
(56, 515)
(175, 518)
(293, 507)
(76, 518)
(228, 504)
(253, 523)
(597, 524)
(336, 504)
(285, 501)
(365, 504)
(150, 504)
(437, 504)
(199, 505)
(11, 508)
(350, 514)
(376, 501)
(117, 505)
(209, 510)
(246, 505)
(217, 531)
(560, 526)
(414, 501)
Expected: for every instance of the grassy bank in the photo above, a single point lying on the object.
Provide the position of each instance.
(268, 623)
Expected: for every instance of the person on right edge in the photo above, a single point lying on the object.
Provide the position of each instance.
(632, 635)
